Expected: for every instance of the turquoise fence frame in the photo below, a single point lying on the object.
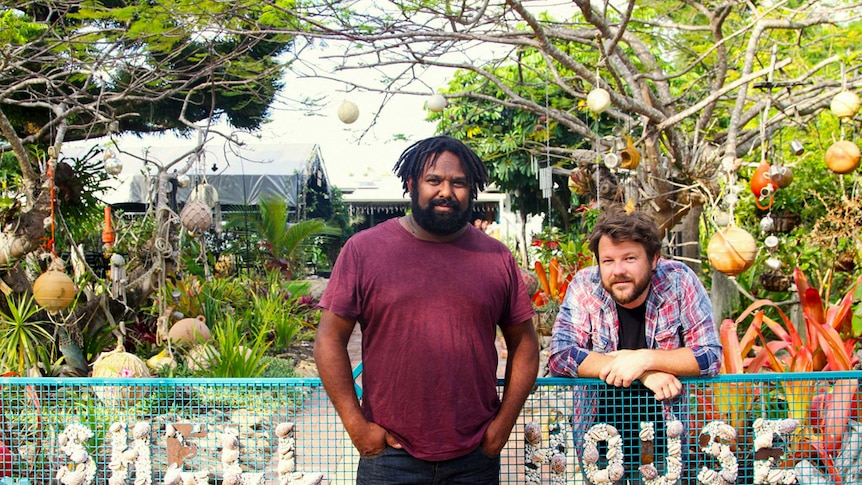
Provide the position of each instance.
(759, 428)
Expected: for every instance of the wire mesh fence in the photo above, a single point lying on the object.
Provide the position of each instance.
(746, 429)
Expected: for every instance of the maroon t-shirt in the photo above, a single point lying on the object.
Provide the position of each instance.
(428, 313)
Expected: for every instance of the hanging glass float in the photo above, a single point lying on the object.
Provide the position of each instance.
(183, 181)
(54, 290)
(845, 104)
(348, 112)
(598, 100)
(196, 217)
(842, 157)
(731, 250)
(113, 165)
(436, 103)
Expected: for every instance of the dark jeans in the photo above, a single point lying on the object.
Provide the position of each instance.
(396, 467)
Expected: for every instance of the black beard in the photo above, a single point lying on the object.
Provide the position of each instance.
(440, 224)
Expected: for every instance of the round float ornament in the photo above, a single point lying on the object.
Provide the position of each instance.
(348, 112)
(731, 250)
(845, 104)
(54, 290)
(183, 181)
(762, 186)
(196, 217)
(436, 103)
(598, 100)
(205, 193)
(113, 166)
(842, 157)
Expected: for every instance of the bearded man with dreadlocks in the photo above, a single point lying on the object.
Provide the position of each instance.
(429, 291)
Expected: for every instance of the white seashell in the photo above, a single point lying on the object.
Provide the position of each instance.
(62, 439)
(558, 464)
(674, 448)
(775, 476)
(675, 429)
(615, 472)
(763, 441)
(615, 441)
(727, 432)
(591, 454)
(601, 476)
(170, 431)
(538, 456)
(232, 480)
(229, 455)
(79, 456)
(671, 476)
(286, 466)
(532, 433)
(283, 429)
(230, 442)
(61, 472)
(728, 475)
(130, 454)
(115, 465)
(674, 461)
(649, 472)
(707, 475)
(141, 430)
(75, 477)
(787, 426)
(115, 428)
(612, 453)
(758, 424)
(284, 449)
(143, 481)
(173, 476)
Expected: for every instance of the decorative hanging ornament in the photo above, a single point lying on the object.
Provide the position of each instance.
(773, 263)
(786, 177)
(767, 223)
(436, 103)
(598, 100)
(845, 104)
(113, 165)
(196, 217)
(731, 250)
(348, 112)
(183, 181)
(630, 157)
(54, 290)
(762, 186)
(108, 235)
(842, 157)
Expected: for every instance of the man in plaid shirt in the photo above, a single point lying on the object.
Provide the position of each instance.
(637, 322)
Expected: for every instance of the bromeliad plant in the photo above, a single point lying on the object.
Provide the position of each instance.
(823, 408)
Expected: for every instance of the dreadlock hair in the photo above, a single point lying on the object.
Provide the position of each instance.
(619, 225)
(423, 154)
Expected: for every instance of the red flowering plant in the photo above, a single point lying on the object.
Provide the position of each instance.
(558, 257)
(824, 408)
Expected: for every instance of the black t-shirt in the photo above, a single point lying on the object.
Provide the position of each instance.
(632, 327)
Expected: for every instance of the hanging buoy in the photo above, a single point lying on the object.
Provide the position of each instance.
(845, 104)
(196, 217)
(54, 290)
(731, 250)
(183, 181)
(598, 100)
(842, 157)
(348, 112)
(436, 103)
(205, 193)
(108, 236)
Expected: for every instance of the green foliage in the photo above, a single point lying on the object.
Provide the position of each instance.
(274, 307)
(235, 353)
(285, 243)
(23, 340)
